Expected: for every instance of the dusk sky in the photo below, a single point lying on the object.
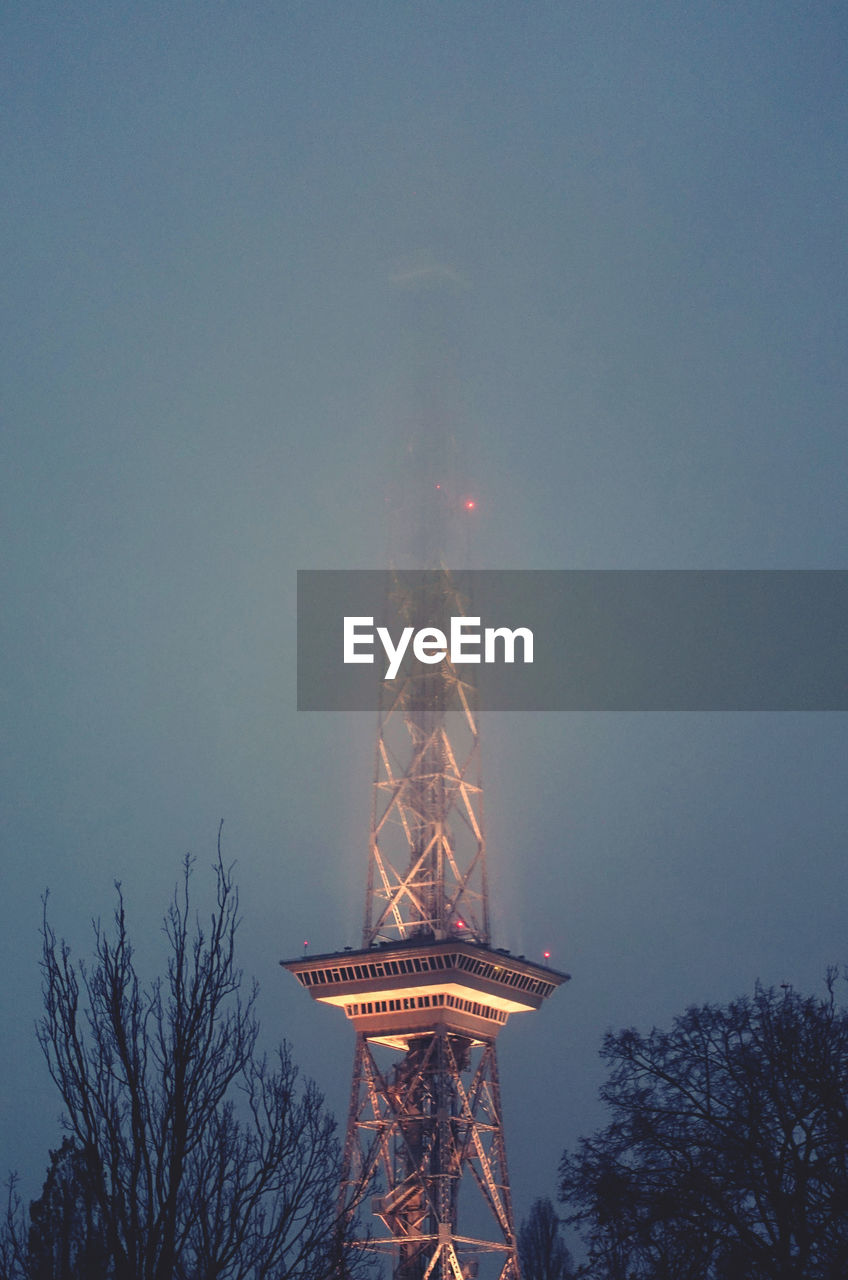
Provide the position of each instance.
(218, 218)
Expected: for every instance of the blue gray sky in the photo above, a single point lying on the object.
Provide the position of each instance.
(207, 370)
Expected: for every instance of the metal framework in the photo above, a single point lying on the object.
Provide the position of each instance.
(433, 1119)
(427, 870)
(426, 1129)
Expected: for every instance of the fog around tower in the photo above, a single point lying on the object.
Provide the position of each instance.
(271, 271)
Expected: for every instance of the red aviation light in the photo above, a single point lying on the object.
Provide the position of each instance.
(460, 924)
(469, 504)
(546, 955)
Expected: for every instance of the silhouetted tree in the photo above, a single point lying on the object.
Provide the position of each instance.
(193, 1156)
(66, 1239)
(726, 1157)
(541, 1249)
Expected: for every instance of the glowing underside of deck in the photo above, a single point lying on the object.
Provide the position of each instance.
(398, 991)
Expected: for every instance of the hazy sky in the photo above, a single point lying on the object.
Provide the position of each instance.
(209, 363)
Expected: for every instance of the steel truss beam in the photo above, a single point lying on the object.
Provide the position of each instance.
(423, 1131)
(427, 867)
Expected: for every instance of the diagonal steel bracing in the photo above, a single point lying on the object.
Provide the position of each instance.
(421, 1136)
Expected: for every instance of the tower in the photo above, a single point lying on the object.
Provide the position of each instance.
(427, 993)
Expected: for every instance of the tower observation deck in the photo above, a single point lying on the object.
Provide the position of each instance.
(428, 991)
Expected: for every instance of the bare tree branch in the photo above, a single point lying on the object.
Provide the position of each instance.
(727, 1150)
(201, 1158)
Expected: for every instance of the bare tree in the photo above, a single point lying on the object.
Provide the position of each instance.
(203, 1159)
(727, 1152)
(13, 1235)
(542, 1252)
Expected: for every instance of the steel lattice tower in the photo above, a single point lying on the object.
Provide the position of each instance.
(427, 985)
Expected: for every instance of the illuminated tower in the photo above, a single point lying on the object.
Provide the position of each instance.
(426, 993)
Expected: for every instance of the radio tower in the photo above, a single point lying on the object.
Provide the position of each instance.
(427, 994)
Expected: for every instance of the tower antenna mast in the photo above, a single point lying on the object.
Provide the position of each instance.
(427, 994)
